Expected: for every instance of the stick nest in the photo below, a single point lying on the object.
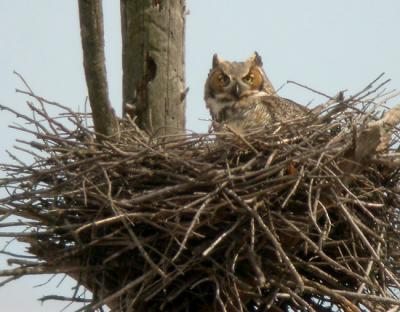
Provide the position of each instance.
(276, 219)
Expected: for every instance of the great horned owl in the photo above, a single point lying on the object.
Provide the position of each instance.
(240, 95)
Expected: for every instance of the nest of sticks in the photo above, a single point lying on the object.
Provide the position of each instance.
(284, 218)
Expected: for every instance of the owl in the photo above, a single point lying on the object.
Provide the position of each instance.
(240, 95)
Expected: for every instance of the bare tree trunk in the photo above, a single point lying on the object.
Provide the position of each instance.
(153, 81)
(92, 35)
(153, 64)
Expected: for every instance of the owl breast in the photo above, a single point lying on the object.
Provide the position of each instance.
(218, 108)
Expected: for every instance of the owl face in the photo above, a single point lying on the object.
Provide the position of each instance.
(232, 81)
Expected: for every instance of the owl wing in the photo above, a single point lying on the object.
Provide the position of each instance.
(262, 111)
(282, 109)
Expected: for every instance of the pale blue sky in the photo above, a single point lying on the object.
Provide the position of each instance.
(328, 45)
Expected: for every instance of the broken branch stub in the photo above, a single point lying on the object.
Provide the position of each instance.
(375, 137)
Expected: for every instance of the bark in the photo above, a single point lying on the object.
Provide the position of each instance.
(153, 64)
(92, 35)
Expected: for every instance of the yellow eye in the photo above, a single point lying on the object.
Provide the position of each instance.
(248, 78)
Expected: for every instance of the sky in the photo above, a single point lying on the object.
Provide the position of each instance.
(327, 45)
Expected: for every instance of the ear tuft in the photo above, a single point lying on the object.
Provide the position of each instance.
(255, 59)
(216, 60)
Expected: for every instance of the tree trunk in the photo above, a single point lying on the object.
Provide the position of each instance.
(153, 81)
(92, 35)
(153, 64)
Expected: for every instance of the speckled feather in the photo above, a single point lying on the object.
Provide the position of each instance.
(253, 112)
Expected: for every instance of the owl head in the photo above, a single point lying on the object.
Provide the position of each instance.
(232, 81)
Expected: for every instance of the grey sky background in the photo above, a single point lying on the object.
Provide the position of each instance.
(327, 45)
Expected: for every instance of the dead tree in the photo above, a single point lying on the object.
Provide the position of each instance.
(153, 64)
(153, 70)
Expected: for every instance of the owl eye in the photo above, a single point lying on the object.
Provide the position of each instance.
(223, 79)
(248, 78)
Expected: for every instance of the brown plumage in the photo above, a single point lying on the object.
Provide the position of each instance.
(260, 111)
(240, 95)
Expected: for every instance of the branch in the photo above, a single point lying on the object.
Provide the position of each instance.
(40, 269)
(62, 298)
(92, 35)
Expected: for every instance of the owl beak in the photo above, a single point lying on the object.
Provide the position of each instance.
(237, 91)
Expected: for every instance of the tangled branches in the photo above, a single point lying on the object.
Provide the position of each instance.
(297, 216)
